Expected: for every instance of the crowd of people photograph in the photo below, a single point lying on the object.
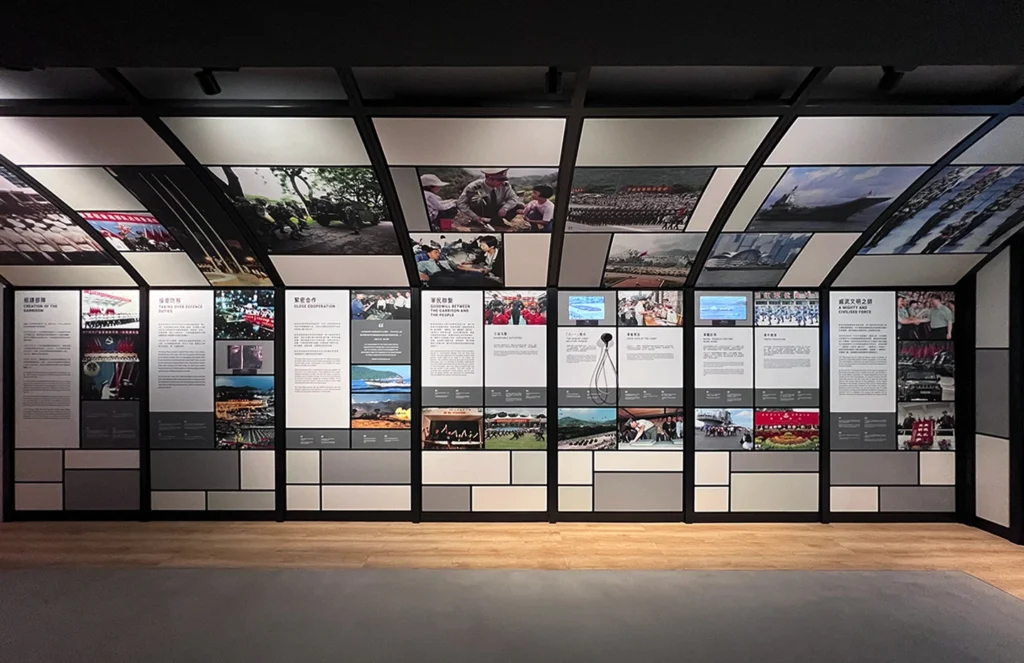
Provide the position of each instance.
(634, 199)
(452, 428)
(926, 426)
(489, 199)
(136, 232)
(650, 308)
(786, 308)
(587, 429)
(521, 428)
(516, 307)
(650, 427)
(244, 411)
(459, 261)
(381, 305)
(925, 315)
(650, 260)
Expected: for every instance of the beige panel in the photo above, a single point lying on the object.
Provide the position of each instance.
(510, 498)
(847, 499)
(409, 141)
(466, 467)
(937, 468)
(575, 467)
(992, 479)
(821, 253)
(166, 269)
(671, 141)
(383, 271)
(711, 499)
(530, 467)
(754, 195)
(67, 275)
(575, 498)
(302, 466)
(638, 461)
(366, 498)
(410, 197)
(711, 468)
(1002, 145)
(178, 500)
(907, 270)
(302, 498)
(257, 469)
(241, 501)
(711, 200)
(992, 322)
(870, 141)
(82, 141)
(38, 496)
(277, 141)
(101, 459)
(583, 256)
(87, 189)
(774, 492)
(526, 260)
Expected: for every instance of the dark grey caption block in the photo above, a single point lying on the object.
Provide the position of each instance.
(181, 430)
(319, 438)
(381, 342)
(381, 439)
(110, 424)
(452, 397)
(873, 431)
(651, 397)
(38, 465)
(992, 392)
(932, 499)
(723, 397)
(447, 498)
(365, 467)
(101, 490)
(583, 397)
(215, 469)
(873, 468)
(787, 397)
(638, 491)
(774, 461)
(525, 396)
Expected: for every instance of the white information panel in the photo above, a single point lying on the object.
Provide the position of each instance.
(181, 350)
(787, 357)
(317, 361)
(516, 356)
(724, 357)
(46, 369)
(863, 351)
(583, 357)
(452, 341)
(651, 357)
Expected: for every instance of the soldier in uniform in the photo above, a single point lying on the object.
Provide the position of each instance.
(490, 200)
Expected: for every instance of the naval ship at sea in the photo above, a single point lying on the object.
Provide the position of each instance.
(787, 209)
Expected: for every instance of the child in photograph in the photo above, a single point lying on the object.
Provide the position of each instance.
(540, 211)
(440, 212)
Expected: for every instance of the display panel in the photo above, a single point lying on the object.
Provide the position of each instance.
(452, 354)
(751, 259)
(515, 360)
(489, 199)
(723, 308)
(471, 261)
(724, 371)
(518, 428)
(136, 232)
(648, 308)
(650, 260)
(786, 308)
(634, 199)
(312, 210)
(585, 308)
(587, 429)
(317, 360)
(925, 370)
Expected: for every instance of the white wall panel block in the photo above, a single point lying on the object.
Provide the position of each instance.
(302, 498)
(178, 500)
(711, 499)
(849, 499)
(510, 498)
(302, 466)
(82, 276)
(530, 467)
(992, 479)
(774, 492)
(87, 189)
(638, 461)
(38, 496)
(367, 498)
(413, 141)
(754, 195)
(346, 271)
(575, 467)
(101, 459)
(241, 501)
(671, 141)
(992, 322)
(467, 467)
(938, 468)
(821, 253)
(526, 260)
(1002, 145)
(257, 469)
(711, 200)
(925, 270)
(575, 498)
(711, 468)
(83, 141)
(166, 269)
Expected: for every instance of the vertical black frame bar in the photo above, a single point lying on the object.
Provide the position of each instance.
(280, 403)
(964, 348)
(566, 165)
(824, 406)
(1016, 354)
(552, 404)
(145, 483)
(8, 405)
(689, 407)
(416, 375)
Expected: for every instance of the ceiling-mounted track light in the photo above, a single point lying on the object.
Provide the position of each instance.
(891, 77)
(553, 81)
(208, 82)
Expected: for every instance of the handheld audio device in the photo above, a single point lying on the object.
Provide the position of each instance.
(599, 390)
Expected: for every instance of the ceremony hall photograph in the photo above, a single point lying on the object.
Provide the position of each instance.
(459, 260)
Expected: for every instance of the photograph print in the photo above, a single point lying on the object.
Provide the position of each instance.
(110, 366)
(515, 307)
(515, 429)
(132, 232)
(458, 428)
(926, 426)
(459, 260)
(751, 259)
(634, 199)
(650, 428)
(786, 429)
(831, 198)
(724, 429)
(382, 409)
(381, 305)
(786, 308)
(195, 218)
(651, 260)
(382, 378)
(34, 232)
(110, 309)
(587, 428)
(243, 315)
(244, 410)
(925, 315)
(925, 371)
(489, 199)
(963, 209)
(312, 210)
(650, 308)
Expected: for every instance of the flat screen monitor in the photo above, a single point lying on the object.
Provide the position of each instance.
(723, 307)
(586, 307)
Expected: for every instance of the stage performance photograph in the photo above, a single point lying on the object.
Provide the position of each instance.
(459, 260)
(452, 428)
(244, 315)
(515, 429)
(489, 199)
(244, 411)
(925, 315)
(786, 308)
(650, 308)
(110, 366)
(586, 428)
(650, 428)
(515, 307)
(634, 199)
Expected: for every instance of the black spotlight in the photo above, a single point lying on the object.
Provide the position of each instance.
(208, 82)
(553, 81)
(891, 77)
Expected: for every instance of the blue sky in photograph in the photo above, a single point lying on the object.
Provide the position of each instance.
(592, 414)
(836, 184)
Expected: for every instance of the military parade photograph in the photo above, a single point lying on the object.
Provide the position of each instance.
(312, 210)
(925, 315)
(650, 260)
(963, 209)
(650, 308)
(831, 198)
(926, 426)
(489, 199)
(786, 308)
(459, 260)
(650, 428)
(243, 315)
(634, 199)
(135, 232)
(587, 428)
(244, 410)
(515, 429)
(725, 429)
(515, 307)
(751, 259)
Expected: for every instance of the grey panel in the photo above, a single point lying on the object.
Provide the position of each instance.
(446, 498)
(786, 397)
(110, 424)
(723, 397)
(653, 397)
(583, 256)
(194, 470)
(638, 491)
(584, 397)
(410, 197)
(860, 430)
(873, 468)
(610, 304)
(739, 278)
(316, 438)
(774, 461)
(381, 439)
(746, 322)
(992, 389)
(101, 490)
(39, 465)
(381, 342)
(181, 430)
(453, 396)
(533, 396)
(365, 467)
(939, 499)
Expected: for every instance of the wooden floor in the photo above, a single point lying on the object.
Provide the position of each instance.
(530, 546)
